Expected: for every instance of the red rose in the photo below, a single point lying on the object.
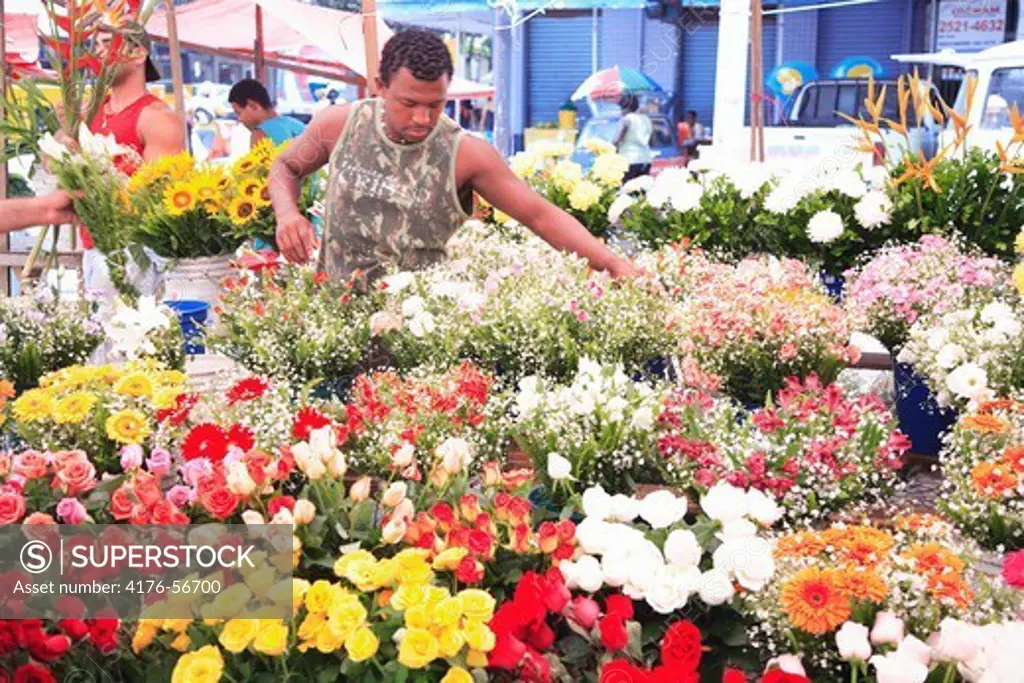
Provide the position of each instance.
(508, 651)
(780, 676)
(519, 510)
(1013, 569)
(121, 504)
(12, 508)
(140, 515)
(164, 512)
(529, 598)
(278, 502)
(77, 477)
(30, 631)
(681, 645)
(50, 648)
(8, 640)
(5, 676)
(540, 636)
(444, 515)
(619, 604)
(622, 671)
(218, 501)
(480, 543)
(33, 673)
(469, 571)
(613, 633)
(76, 628)
(734, 676)
(556, 595)
(206, 440)
(104, 634)
(674, 673)
(535, 668)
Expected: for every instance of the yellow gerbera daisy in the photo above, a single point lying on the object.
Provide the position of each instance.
(135, 384)
(128, 426)
(35, 405)
(180, 197)
(164, 399)
(74, 408)
(171, 377)
(242, 210)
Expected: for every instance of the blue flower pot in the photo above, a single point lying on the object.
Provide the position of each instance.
(192, 316)
(919, 415)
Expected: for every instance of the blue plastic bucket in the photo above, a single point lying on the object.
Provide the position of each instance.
(192, 316)
(919, 415)
(834, 285)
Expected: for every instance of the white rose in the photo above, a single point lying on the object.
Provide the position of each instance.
(397, 282)
(737, 529)
(615, 567)
(724, 502)
(394, 531)
(892, 668)
(592, 535)
(643, 419)
(559, 468)
(304, 511)
(763, 507)
(852, 642)
(456, 454)
(588, 574)
(238, 480)
(422, 324)
(394, 494)
(251, 517)
(757, 572)
(715, 587)
(949, 356)
(665, 594)
(624, 508)
(825, 227)
(682, 548)
(597, 503)
(661, 509)
(955, 641)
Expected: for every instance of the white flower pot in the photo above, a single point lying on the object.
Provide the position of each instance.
(197, 279)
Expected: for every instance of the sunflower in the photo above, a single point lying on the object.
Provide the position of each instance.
(241, 211)
(245, 165)
(984, 423)
(128, 426)
(264, 198)
(815, 601)
(135, 384)
(207, 187)
(35, 405)
(74, 407)
(250, 188)
(180, 197)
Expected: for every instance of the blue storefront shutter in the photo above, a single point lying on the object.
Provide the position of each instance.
(559, 56)
(874, 30)
(698, 55)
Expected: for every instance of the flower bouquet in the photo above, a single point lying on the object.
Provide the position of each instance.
(751, 326)
(854, 594)
(813, 450)
(902, 284)
(40, 333)
(97, 409)
(983, 464)
(290, 324)
(970, 354)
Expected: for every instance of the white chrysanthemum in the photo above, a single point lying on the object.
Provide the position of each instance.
(825, 227)
(968, 381)
(621, 203)
(686, 197)
(873, 210)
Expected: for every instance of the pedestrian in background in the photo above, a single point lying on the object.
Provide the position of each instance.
(633, 139)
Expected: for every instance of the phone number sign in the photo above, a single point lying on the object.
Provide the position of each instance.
(971, 25)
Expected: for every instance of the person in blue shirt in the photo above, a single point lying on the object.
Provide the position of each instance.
(255, 111)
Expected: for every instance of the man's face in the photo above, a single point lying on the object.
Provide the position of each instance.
(411, 106)
(250, 114)
(130, 57)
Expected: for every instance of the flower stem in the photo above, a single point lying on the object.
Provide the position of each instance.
(950, 673)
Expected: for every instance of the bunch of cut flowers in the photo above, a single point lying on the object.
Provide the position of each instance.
(813, 449)
(904, 283)
(983, 468)
(289, 323)
(752, 325)
(970, 354)
(896, 596)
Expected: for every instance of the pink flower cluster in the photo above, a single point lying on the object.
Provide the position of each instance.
(67, 474)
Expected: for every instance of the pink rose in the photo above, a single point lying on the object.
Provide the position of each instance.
(888, 629)
(585, 611)
(77, 477)
(1013, 569)
(194, 471)
(64, 459)
(159, 462)
(788, 351)
(12, 508)
(30, 464)
(71, 511)
(181, 496)
(131, 457)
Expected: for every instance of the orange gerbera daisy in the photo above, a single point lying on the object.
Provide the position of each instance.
(952, 590)
(805, 544)
(998, 404)
(1013, 457)
(916, 521)
(935, 560)
(993, 479)
(865, 586)
(864, 546)
(984, 423)
(815, 601)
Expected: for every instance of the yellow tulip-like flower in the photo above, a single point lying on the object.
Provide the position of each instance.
(135, 384)
(361, 644)
(477, 605)
(272, 638)
(584, 195)
(609, 169)
(448, 560)
(1018, 277)
(74, 407)
(179, 198)
(205, 665)
(479, 636)
(457, 674)
(145, 633)
(450, 642)
(237, 634)
(35, 405)
(418, 648)
(128, 426)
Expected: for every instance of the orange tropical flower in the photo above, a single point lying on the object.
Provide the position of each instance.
(865, 586)
(1013, 457)
(934, 559)
(993, 479)
(985, 423)
(815, 601)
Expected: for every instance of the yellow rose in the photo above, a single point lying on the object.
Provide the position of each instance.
(319, 596)
(181, 642)
(1018, 277)
(135, 384)
(408, 595)
(128, 426)
(205, 665)
(362, 573)
(327, 641)
(176, 625)
(477, 604)
(145, 632)
(437, 594)
(272, 638)
(312, 625)
(229, 603)
(361, 644)
(450, 642)
(418, 648)
(448, 612)
(479, 636)
(416, 572)
(299, 589)
(418, 616)
(346, 618)
(584, 195)
(386, 572)
(448, 560)
(476, 659)
(457, 674)
(342, 563)
(237, 634)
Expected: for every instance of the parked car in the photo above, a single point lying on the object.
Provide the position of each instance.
(663, 140)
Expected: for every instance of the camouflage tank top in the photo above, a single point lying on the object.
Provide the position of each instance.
(389, 203)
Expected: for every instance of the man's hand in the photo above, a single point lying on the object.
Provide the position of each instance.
(621, 268)
(296, 238)
(57, 208)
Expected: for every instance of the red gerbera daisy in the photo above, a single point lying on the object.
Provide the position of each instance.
(308, 420)
(241, 436)
(248, 389)
(183, 404)
(205, 441)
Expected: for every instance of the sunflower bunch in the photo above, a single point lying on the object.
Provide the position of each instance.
(98, 409)
(183, 209)
(895, 579)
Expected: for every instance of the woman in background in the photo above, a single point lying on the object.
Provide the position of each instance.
(633, 139)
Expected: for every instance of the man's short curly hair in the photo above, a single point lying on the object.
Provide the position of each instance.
(421, 52)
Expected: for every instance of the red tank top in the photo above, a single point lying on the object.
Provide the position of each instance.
(124, 126)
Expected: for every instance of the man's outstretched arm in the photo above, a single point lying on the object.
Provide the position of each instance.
(51, 209)
(481, 165)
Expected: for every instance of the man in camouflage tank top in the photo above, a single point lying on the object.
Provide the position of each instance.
(402, 176)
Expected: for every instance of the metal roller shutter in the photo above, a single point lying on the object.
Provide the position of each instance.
(874, 30)
(558, 61)
(698, 56)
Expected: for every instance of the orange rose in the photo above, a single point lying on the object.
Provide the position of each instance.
(12, 507)
(76, 478)
(30, 464)
(121, 503)
(62, 459)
